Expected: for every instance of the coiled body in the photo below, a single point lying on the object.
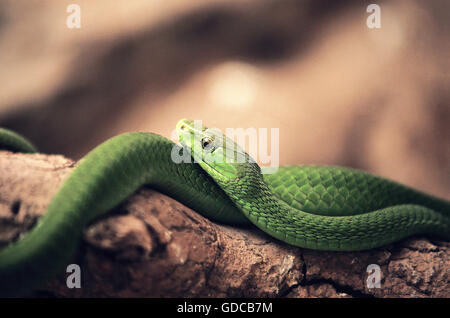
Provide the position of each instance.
(375, 211)
(366, 211)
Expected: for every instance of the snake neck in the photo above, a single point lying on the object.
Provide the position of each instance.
(254, 198)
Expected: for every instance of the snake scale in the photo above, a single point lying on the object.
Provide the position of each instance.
(317, 207)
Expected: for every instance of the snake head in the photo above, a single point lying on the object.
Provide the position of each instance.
(217, 154)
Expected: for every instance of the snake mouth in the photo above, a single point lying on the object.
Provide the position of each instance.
(186, 131)
(184, 124)
(192, 134)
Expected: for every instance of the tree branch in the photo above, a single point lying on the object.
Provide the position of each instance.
(154, 246)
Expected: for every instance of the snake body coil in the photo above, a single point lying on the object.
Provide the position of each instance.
(318, 207)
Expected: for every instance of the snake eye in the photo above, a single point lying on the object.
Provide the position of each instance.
(206, 143)
(183, 127)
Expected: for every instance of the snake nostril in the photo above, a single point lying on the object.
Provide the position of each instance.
(15, 207)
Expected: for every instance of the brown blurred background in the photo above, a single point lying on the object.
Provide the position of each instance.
(340, 93)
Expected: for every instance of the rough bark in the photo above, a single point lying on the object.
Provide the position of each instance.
(154, 246)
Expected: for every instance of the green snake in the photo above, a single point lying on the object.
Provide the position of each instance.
(315, 207)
